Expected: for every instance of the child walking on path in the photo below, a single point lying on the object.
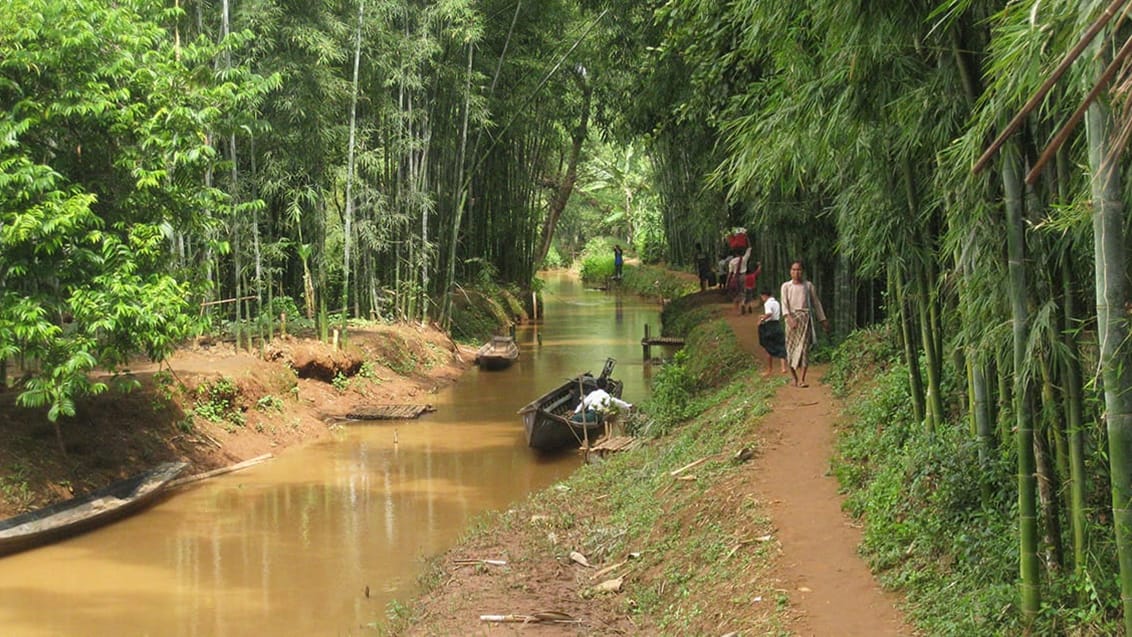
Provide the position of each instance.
(771, 336)
(750, 281)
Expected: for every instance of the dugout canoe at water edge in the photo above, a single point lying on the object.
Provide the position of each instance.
(84, 513)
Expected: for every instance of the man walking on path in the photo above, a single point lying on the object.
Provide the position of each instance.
(801, 306)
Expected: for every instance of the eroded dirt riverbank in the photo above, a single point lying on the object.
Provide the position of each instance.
(212, 406)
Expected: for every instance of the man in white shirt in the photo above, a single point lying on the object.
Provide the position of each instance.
(595, 405)
(599, 401)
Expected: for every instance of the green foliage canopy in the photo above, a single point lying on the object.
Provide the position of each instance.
(103, 155)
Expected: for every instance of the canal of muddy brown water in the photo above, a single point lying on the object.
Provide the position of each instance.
(292, 546)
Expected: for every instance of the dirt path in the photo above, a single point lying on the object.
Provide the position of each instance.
(830, 584)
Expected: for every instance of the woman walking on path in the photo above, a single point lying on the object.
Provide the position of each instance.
(800, 306)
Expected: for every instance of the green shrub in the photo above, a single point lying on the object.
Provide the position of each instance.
(671, 400)
(866, 352)
(597, 259)
(216, 401)
(368, 370)
(269, 403)
(658, 282)
(477, 314)
(340, 382)
(679, 319)
(554, 259)
(596, 268)
(939, 522)
(719, 357)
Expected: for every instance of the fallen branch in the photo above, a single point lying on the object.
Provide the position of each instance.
(742, 543)
(692, 464)
(550, 617)
(487, 562)
(607, 569)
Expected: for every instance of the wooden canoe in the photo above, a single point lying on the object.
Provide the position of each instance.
(547, 421)
(498, 353)
(83, 513)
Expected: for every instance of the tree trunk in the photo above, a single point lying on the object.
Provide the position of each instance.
(923, 296)
(1112, 332)
(463, 182)
(348, 222)
(911, 354)
(565, 186)
(1049, 485)
(980, 409)
(1027, 511)
(1074, 420)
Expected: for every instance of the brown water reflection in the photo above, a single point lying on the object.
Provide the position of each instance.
(290, 546)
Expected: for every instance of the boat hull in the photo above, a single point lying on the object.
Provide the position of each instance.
(87, 512)
(497, 354)
(547, 422)
(494, 363)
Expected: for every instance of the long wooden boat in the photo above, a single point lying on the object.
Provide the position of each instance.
(498, 353)
(86, 512)
(547, 420)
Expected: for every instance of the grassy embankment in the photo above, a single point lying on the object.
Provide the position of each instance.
(939, 524)
(692, 563)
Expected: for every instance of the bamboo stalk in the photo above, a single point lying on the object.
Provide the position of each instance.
(691, 465)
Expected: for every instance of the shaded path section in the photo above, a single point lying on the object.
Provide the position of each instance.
(829, 584)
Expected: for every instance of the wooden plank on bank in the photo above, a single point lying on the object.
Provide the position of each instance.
(388, 412)
(615, 444)
(662, 340)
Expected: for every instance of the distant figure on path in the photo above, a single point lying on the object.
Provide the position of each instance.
(703, 268)
(750, 281)
(771, 336)
(734, 282)
(618, 262)
(800, 305)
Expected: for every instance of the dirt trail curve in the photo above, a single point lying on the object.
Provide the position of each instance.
(830, 585)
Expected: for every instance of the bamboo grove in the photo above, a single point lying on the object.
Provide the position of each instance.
(164, 160)
(241, 161)
(847, 133)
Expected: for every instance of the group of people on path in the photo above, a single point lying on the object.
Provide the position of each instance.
(799, 308)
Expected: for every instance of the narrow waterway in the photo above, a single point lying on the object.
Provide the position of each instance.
(293, 546)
